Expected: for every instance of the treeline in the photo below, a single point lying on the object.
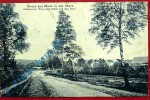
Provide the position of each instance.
(96, 67)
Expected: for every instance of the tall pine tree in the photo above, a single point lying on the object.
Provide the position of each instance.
(65, 37)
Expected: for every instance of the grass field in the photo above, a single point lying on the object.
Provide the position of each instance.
(137, 84)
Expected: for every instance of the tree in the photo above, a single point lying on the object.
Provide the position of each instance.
(80, 62)
(50, 62)
(101, 67)
(87, 69)
(63, 29)
(116, 22)
(54, 62)
(73, 52)
(65, 37)
(44, 65)
(12, 34)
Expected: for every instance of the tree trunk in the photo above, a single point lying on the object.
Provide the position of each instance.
(5, 54)
(127, 85)
(62, 63)
(13, 64)
(74, 73)
(73, 66)
(52, 66)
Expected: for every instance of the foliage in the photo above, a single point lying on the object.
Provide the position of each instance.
(86, 69)
(64, 32)
(54, 62)
(12, 34)
(80, 62)
(106, 18)
(100, 67)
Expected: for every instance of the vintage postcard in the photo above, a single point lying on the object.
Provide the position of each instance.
(74, 49)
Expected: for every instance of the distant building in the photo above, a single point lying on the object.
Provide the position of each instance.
(140, 60)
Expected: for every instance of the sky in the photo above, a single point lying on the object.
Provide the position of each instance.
(42, 25)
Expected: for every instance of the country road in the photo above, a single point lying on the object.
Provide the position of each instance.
(40, 85)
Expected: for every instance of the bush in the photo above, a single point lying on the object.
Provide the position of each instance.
(72, 77)
(7, 78)
(67, 70)
(52, 72)
(101, 67)
(86, 69)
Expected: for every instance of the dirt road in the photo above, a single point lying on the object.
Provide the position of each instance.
(40, 85)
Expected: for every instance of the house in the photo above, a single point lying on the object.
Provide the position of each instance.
(140, 60)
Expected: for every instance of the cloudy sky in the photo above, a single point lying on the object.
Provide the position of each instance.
(42, 25)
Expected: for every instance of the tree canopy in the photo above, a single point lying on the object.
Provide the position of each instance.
(12, 34)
